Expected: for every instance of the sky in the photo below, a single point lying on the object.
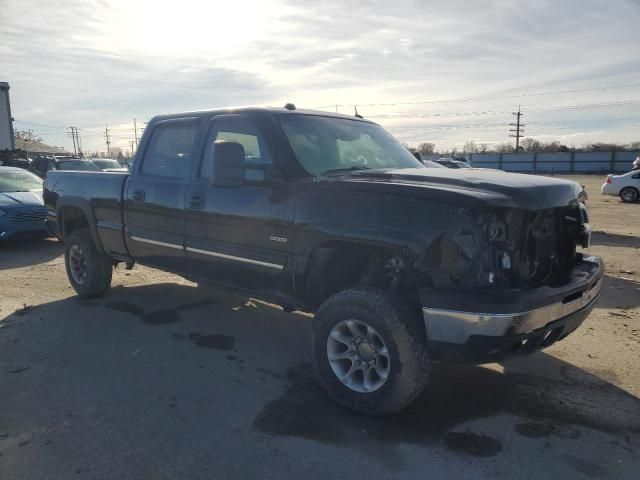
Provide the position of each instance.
(446, 72)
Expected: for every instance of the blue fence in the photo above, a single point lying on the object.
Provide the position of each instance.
(583, 162)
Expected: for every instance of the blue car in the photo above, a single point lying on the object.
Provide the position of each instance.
(22, 212)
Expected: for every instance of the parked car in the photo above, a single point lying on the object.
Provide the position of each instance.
(451, 163)
(22, 211)
(626, 186)
(41, 166)
(432, 164)
(109, 165)
(401, 264)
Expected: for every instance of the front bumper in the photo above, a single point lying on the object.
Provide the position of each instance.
(467, 327)
(9, 231)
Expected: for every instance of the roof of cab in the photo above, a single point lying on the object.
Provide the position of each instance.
(259, 110)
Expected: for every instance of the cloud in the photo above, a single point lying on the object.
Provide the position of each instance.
(96, 62)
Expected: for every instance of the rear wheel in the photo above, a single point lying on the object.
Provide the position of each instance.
(369, 352)
(629, 194)
(89, 271)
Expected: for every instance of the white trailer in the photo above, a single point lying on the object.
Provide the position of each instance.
(6, 122)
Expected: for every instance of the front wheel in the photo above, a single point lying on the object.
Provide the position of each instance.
(629, 194)
(89, 271)
(369, 352)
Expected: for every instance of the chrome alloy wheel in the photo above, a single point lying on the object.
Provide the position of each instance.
(629, 194)
(77, 264)
(358, 356)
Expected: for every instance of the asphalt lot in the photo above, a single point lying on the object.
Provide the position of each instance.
(162, 379)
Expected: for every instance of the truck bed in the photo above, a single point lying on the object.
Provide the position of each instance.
(98, 195)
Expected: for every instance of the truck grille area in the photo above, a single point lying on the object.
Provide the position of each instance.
(547, 242)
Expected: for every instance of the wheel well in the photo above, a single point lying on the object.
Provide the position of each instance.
(338, 266)
(72, 218)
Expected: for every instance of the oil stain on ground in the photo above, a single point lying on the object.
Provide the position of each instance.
(470, 443)
(534, 429)
(158, 317)
(126, 307)
(217, 341)
(455, 394)
(161, 317)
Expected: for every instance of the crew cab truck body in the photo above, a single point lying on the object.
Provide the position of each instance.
(401, 264)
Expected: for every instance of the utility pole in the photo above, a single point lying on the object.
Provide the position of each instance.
(132, 143)
(73, 137)
(519, 131)
(106, 135)
(78, 141)
(135, 131)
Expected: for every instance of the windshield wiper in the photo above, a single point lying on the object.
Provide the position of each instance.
(352, 168)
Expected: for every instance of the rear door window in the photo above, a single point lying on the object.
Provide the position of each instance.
(171, 150)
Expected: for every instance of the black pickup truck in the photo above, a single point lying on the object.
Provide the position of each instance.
(401, 264)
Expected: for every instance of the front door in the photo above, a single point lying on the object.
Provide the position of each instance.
(155, 193)
(240, 236)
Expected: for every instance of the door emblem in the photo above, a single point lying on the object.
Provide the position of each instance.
(273, 238)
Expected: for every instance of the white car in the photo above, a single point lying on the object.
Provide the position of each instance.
(626, 186)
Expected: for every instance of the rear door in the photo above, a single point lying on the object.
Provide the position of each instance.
(241, 236)
(155, 192)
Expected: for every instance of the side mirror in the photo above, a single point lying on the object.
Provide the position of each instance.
(418, 155)
(228, 164)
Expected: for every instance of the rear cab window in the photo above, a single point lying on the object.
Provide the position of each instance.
(171, 149)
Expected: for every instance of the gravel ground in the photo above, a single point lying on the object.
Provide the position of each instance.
(161, 379)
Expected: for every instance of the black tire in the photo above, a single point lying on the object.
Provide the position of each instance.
(629, 194)
(403, 336)
(98, 267)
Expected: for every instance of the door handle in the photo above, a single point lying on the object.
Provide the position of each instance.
(196, 201)
(138, 195)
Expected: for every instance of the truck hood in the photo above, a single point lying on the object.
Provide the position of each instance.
(493, 187)
(25, 199)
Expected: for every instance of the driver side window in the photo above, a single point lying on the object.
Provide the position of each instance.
(242, 132)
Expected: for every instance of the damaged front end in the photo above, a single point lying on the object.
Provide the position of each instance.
(511, 248)
(507, 278)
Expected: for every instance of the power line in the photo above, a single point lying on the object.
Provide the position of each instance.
(549, 108)
(472, 99)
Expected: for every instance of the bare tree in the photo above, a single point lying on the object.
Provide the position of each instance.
(408, 147)
(27, 135)
(503, 148)
(529, 144)
(470, 147)
(427, 148)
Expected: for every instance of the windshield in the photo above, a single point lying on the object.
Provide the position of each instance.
(326, 144)
(16, 181)
(77, 165)
(104, 163)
